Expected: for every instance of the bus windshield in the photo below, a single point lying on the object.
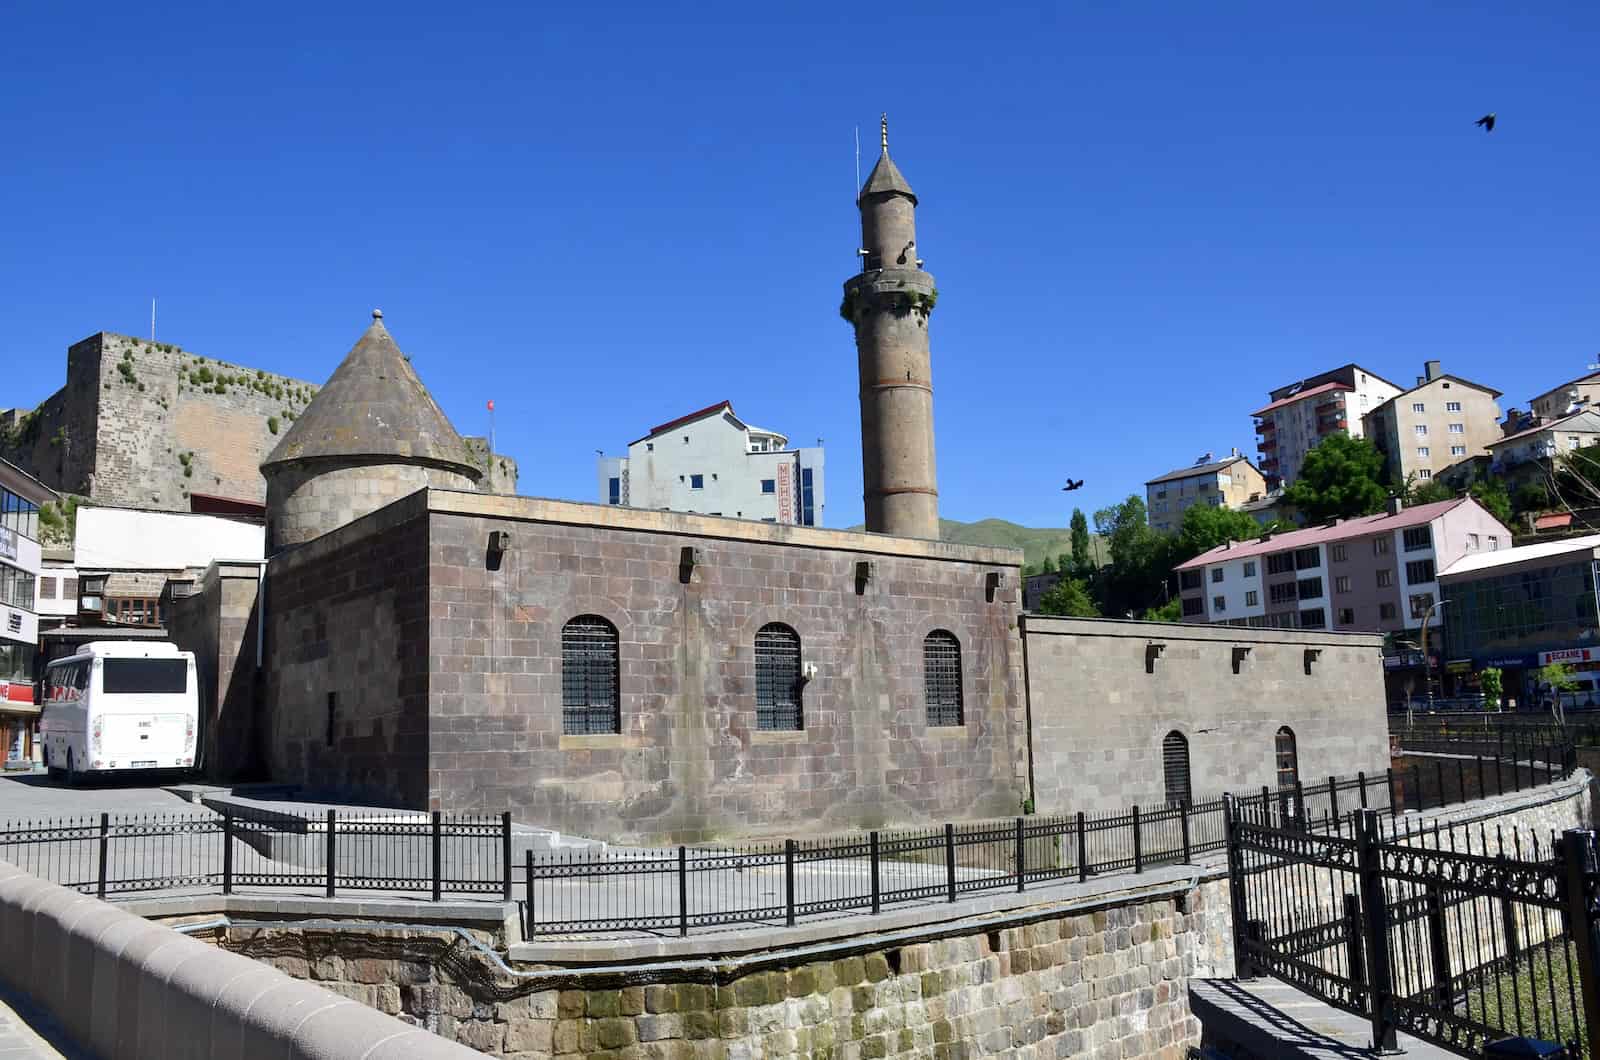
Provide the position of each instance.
(145, 676)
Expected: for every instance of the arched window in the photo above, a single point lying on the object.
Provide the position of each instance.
(1175, 768)
(590, 701)
(1288, 760)
(778, 678)
(941, 677)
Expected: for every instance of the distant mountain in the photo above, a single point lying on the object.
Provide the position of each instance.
(1036, 542)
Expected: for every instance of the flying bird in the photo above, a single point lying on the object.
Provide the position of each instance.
(1487, 121)
(1072, 485)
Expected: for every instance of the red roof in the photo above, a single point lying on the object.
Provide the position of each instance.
(1321, 535)
(1292, 398)
(1553, 521)
(681, 420)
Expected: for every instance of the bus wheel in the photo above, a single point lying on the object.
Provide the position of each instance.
(72, 771)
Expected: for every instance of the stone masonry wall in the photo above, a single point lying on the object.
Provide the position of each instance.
(1103, 695)
(218, 623)
(346, 693)
(689, 761)
(146, 424)
(1107, 983)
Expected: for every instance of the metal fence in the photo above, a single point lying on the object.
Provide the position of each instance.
(433, 854)
(1455, 936)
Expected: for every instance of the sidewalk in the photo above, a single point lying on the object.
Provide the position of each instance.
(32, 1035)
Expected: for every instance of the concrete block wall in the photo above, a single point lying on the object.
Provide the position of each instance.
(1102, 696)
(121, 987)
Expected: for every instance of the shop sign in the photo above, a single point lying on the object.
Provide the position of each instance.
(1459, 666)
(1569, 655)
(1407, 659)
(8, 543)
(1516, 662)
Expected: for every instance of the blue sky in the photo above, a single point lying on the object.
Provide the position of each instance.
(1140, 217)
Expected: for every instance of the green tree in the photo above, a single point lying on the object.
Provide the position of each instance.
(1047, 566)
(1204, 528)
(1427, 492)
(1531, 497)
(1082, 561)
(1141, 560)
(1069, 596)
(58, 523)
(1489, 681)
(1491, 493)
(1171, 611)
(1342, 477)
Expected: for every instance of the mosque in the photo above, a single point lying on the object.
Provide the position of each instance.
(651, 676)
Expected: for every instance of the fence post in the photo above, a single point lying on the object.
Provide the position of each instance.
(788, 882)
(1375, 916)
(950, 859)
(1438, 776)
(1438, 945)
(1578, 855)
(227, 851)
(527, 861)
(505, 852)
(329, 854)
(1333, 797)
(1391, 793)
(1416, 781)
(1499, 776)
(683, 890)
(1361, 782)
(1183, 819)
(1300, 802)
(1022, 857)
(1483, 790)
(1354, 958)
(105, 846)
(438, 854)
(1461, 778)
(1244, 967)
(877, 897)
(1138, 847)
(1083, 851)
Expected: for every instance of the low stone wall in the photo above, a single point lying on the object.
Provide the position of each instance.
(124, 987)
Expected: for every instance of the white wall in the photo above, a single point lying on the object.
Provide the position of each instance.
(128, 539)
(1233, 589)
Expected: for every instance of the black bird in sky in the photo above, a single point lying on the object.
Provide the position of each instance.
(1072, 485)
(1487, 121)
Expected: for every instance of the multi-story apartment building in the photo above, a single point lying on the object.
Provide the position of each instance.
(1440, 422)
(21, 495)
(1567, 398)
(1228, 483)
(713, 463)
(1522, 608)
(1376, 573)
(1300, 415)
(1530, 455)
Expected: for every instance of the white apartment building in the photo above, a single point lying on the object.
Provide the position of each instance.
(713, 463)
(1300, 415)
(1529, 454)
(1567, 398)
(20, 497)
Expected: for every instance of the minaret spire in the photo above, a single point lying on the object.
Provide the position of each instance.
(888, 303)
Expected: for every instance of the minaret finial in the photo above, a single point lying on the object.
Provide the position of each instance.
(883, 128)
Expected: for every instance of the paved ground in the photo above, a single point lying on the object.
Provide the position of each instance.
(33, 796)
(1272, 1019)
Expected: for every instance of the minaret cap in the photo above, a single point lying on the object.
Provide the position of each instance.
(377, 314)
(886, 178)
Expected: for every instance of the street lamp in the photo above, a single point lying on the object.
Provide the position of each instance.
(1427, 664)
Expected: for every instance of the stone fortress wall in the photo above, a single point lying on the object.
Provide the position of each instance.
(145, 424)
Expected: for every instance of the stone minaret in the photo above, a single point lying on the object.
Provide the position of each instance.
(889, 302)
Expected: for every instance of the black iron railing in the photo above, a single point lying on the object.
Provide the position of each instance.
(331, 853)
(1458, 936)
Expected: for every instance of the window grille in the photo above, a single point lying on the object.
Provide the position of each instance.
(1288, 761)
(941, 678)
(589, 694)
(778, 678)
(1175, 768)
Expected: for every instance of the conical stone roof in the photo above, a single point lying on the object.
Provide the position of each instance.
(374, 407)
(886, 177)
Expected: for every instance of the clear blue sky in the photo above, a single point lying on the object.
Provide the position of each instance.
(1141, 217)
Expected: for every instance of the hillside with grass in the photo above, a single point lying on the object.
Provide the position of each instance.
(1036, 542)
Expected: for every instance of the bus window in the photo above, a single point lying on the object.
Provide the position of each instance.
(144, 676)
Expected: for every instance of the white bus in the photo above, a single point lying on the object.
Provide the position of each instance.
(119, 705)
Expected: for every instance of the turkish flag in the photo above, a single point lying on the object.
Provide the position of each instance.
(491, 406)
